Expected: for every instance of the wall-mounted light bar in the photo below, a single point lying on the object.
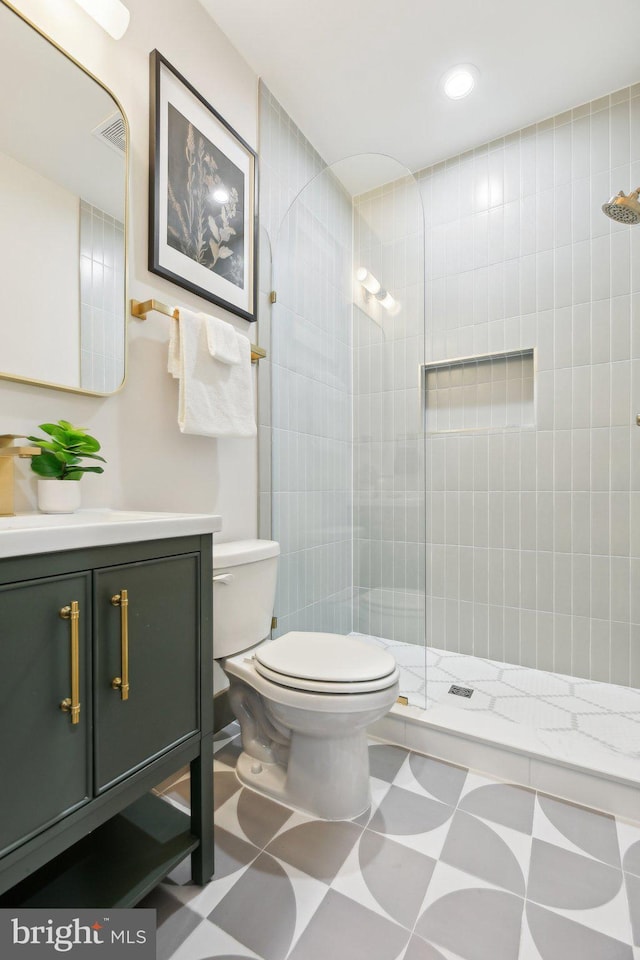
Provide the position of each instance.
(375, 289)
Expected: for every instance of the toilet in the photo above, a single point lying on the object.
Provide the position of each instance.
(303, 701)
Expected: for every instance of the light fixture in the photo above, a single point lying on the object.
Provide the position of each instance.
(375, 289)
(220, 195)
(368, 281)
(111, 15)
(458, 82)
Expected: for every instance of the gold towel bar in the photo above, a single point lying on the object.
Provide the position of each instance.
(140, 309)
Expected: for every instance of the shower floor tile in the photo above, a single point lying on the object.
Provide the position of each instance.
(448, 865)
(569, 715)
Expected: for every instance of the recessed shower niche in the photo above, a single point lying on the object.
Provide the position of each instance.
(494, 391)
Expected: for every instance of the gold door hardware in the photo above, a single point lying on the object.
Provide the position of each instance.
(122, 683)
(273, 297)
(403, 701)
(140, 309)
(71, 704)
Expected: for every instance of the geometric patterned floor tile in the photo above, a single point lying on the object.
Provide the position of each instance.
(225, 784)
(342, 929)
(558, 938)
(419, 949)
(472, 846)
(403, 813)
(385, 760)
(632, 859)
(633, 895)
(318, 848)
(502, 803)
(441, 780)
(260, 818)
(563, 879)
(490, 929)
(175, 922)
(208, 941)
(396, 876)
(436, 870)
(592, 832)
(260, 909)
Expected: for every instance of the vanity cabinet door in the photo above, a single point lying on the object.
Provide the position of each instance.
(157, 631)
(43, 754)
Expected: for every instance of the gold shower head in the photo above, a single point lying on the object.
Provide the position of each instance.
(624, 209)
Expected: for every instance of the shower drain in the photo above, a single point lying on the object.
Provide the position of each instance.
(460, 691)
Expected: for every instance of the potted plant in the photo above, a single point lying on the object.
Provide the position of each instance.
(61, 459)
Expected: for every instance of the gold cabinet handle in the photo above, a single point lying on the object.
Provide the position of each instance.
(122, 683)
(71, 704)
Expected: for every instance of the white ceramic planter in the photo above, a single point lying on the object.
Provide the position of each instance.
(58, 496)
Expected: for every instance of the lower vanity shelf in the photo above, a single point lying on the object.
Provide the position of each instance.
(116, 865)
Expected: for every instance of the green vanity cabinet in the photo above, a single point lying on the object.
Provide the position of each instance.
(45, 757)
(81, 749)
(159, 620)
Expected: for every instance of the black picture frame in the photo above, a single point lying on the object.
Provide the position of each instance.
(203, 195)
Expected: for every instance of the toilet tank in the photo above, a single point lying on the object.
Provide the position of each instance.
(244, 590)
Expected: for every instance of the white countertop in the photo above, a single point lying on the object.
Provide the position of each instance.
(33, 533)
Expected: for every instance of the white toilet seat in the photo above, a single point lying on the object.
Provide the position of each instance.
(325, 663)
(320, 686)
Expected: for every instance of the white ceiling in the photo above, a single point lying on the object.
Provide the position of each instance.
(361, 76)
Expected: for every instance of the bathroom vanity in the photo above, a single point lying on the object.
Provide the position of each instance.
(106, 679)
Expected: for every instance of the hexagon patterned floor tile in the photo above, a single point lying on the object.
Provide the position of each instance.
(585, 712)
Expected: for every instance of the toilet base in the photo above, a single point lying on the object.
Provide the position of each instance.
(327, 778)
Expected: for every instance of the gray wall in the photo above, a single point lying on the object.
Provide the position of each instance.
(310, 375)
(534, 534)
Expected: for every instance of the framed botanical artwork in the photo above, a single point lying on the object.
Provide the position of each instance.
(202, 196)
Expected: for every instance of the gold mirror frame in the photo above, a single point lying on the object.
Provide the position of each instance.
(44, 383)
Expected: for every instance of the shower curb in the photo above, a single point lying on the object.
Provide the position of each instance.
(606, 791)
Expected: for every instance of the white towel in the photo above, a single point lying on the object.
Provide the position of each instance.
(215, 399)
(222, 339)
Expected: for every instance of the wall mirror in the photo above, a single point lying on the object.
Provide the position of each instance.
(63, 203)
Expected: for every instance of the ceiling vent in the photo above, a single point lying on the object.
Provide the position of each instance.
(112, 132)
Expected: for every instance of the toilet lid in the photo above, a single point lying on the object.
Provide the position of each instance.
(325, 658)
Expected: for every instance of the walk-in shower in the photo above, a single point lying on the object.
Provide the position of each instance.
(456, 480)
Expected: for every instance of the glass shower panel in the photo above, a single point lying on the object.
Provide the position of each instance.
(347, 340)
(311, 410)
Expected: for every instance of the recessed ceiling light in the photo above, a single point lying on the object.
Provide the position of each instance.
(459, 81)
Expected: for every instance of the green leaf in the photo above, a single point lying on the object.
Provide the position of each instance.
(49, 428)
(76, 472)
(47, 465)
(93, 456)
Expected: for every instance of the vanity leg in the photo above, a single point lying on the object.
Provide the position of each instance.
(202, 812)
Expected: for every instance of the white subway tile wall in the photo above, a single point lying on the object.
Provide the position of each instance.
(389, 480)
(306, 388)
(533, 536)
(102, 325)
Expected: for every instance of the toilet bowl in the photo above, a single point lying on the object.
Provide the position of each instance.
(304, 700)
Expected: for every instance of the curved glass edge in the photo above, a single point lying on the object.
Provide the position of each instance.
(416, 603)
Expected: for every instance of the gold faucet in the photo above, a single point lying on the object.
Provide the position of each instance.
(8, 454)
